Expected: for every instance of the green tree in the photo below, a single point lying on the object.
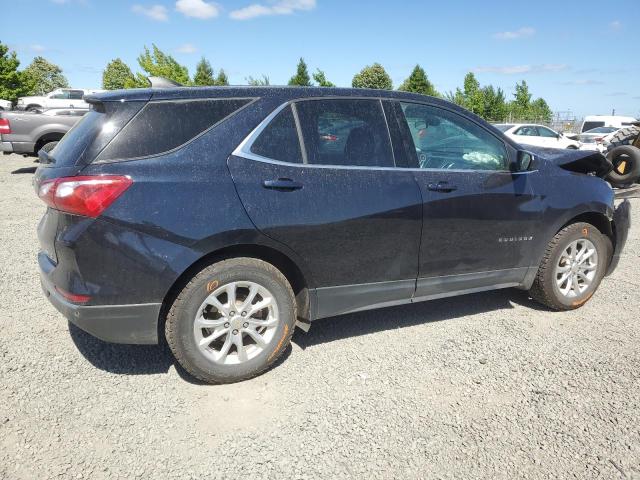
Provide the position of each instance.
(495, 105)
(204, 74)
(156, 63)
(258, 82)
(221, 78)
(115, 75)
(321, 79)
(418, 82)
(520, 106)
(301, 78)
(540, 111)
(373, 76)
(13, 83)
(473, 94)
(44, 76)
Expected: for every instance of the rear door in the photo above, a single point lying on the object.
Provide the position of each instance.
(479, 218)
(319, 176)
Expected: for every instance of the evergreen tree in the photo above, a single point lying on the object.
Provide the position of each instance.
(158, 64)
(418, 82)
(495, 105)
(301, 78)
(204, 74)
(221, 78)
(258, 82)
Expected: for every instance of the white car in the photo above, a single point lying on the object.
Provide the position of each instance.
(595, 138)
(594, 121)
(536, 135)
(5, 105)
(59, 98)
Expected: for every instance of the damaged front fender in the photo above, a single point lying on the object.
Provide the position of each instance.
(579, 161)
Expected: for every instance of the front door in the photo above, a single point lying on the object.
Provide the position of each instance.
(479, 218)
(335, 199)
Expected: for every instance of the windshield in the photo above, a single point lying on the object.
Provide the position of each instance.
(503, 127)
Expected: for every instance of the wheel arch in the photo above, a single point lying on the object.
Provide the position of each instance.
(300, 283)
(46, 138)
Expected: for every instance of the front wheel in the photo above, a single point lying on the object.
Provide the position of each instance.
(232, 320)
(572, 268)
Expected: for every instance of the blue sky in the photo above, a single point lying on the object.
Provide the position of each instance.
(579, 55)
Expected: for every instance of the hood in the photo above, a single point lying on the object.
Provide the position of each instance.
(31, 97)
(579, 161)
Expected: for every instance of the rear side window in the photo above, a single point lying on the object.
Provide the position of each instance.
(345, 132)
(279, 140)
(589, 125)
(165, 125)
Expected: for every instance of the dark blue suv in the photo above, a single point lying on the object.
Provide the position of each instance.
(220, 219)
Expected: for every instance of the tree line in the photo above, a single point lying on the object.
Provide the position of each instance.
(489, 102)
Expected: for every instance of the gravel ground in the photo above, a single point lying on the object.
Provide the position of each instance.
(487, 385)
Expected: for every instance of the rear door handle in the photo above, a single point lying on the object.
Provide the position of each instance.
(284, 184)
(444, 187)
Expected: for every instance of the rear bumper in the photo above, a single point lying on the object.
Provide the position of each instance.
(17, 147)
(622, 223)
(133, 324)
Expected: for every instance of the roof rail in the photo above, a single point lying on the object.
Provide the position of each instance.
(161, 82)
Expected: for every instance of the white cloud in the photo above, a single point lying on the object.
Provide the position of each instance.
(616, 94)
(518, 69)
(154, 12)
(197, 9)
(36, 47)
(186, 48)
(615, 25)
(523, 32)
(279, 7)
(583, 81)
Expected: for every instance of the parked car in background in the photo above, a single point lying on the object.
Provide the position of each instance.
(538, 135)
(222, 218)
(59, 98)
(617, 121)
(5, 105)
(28, 132)
(595, 138)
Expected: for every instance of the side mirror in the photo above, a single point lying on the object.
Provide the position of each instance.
(524, 161)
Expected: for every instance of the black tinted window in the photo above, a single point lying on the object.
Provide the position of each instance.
(279, 140)
(589, 125)
(76, 94)
(345, 132)
(163, 126)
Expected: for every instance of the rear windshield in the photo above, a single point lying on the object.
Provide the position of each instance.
(90, 135)
(591, 125)
(166, 125)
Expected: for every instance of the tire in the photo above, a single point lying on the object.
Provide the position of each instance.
(626, 165)
(572, 147)
(47, 147)
(624, 136)
(208, 362)
(33, 108)
(548, 288)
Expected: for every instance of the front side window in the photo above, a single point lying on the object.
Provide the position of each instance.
(76, 94)
(279, 140)
(446, 140)
(527, 131)
(547, 132)
(345, 132)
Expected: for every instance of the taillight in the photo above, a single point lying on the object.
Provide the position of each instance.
(84, 195)
(5, 126)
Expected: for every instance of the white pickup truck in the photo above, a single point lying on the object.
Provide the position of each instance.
(59, 98)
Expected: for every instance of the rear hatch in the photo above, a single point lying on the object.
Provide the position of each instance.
(79, 147)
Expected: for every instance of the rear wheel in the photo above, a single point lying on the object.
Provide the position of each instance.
(232, 320)
(572, 268)
(33, 108)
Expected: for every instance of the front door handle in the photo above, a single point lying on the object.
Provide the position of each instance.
(284, 184)
(444, 187)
